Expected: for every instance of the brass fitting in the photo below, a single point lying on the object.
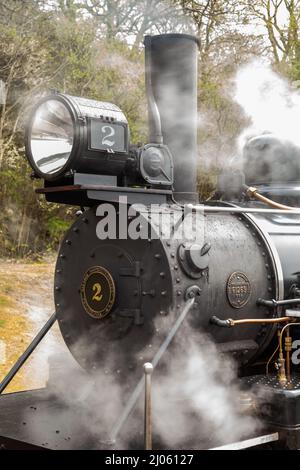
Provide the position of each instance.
(250, 191)
(288, 343)
(281, 373)
(288, 349)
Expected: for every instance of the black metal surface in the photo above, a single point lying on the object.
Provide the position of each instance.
(90, 194)
(278, 405)
(284, 231)
(7, 443)
(173, 59)
(27, 353)
(39, 418)
(142, 292)
(151, 287)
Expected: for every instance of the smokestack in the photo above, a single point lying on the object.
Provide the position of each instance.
(171, 87)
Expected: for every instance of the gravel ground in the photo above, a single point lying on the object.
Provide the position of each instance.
(26, 301)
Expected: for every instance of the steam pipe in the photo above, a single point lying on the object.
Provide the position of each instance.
(229, 322)
(253, 192)
(277, 303)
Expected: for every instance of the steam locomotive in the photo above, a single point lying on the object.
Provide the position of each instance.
(116, 293)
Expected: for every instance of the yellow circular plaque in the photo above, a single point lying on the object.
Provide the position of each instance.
(97, 292)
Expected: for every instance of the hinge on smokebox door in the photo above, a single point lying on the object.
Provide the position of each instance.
(132, 271)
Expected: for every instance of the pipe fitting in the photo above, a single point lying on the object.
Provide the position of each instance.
(192, 292)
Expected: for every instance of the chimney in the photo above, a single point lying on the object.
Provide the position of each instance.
(171, 87)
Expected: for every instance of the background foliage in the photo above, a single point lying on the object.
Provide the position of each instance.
(94, 48)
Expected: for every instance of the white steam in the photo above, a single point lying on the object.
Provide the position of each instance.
(269, 100)
(197, 402)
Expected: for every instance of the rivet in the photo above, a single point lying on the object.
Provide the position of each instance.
(58, 271)
(62, 256)
(177, 279)
(175, 267)
(157, 256)
(179, 292)
(68, 242)
(263, 253)
(164, 293)
(76, 229)
(162, 274)
(172, 255)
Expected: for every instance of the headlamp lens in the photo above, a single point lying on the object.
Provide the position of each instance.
(52, 136)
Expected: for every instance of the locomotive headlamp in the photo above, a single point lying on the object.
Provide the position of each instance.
(67, 134)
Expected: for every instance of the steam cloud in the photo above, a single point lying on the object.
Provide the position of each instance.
(269, 100)
(195, 401)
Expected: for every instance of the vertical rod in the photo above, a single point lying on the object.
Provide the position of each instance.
(288, 348)
(148, 369)
(23, 358)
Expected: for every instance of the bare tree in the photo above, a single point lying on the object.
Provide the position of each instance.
(135, 18)
(23, 66)
(281, 22)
